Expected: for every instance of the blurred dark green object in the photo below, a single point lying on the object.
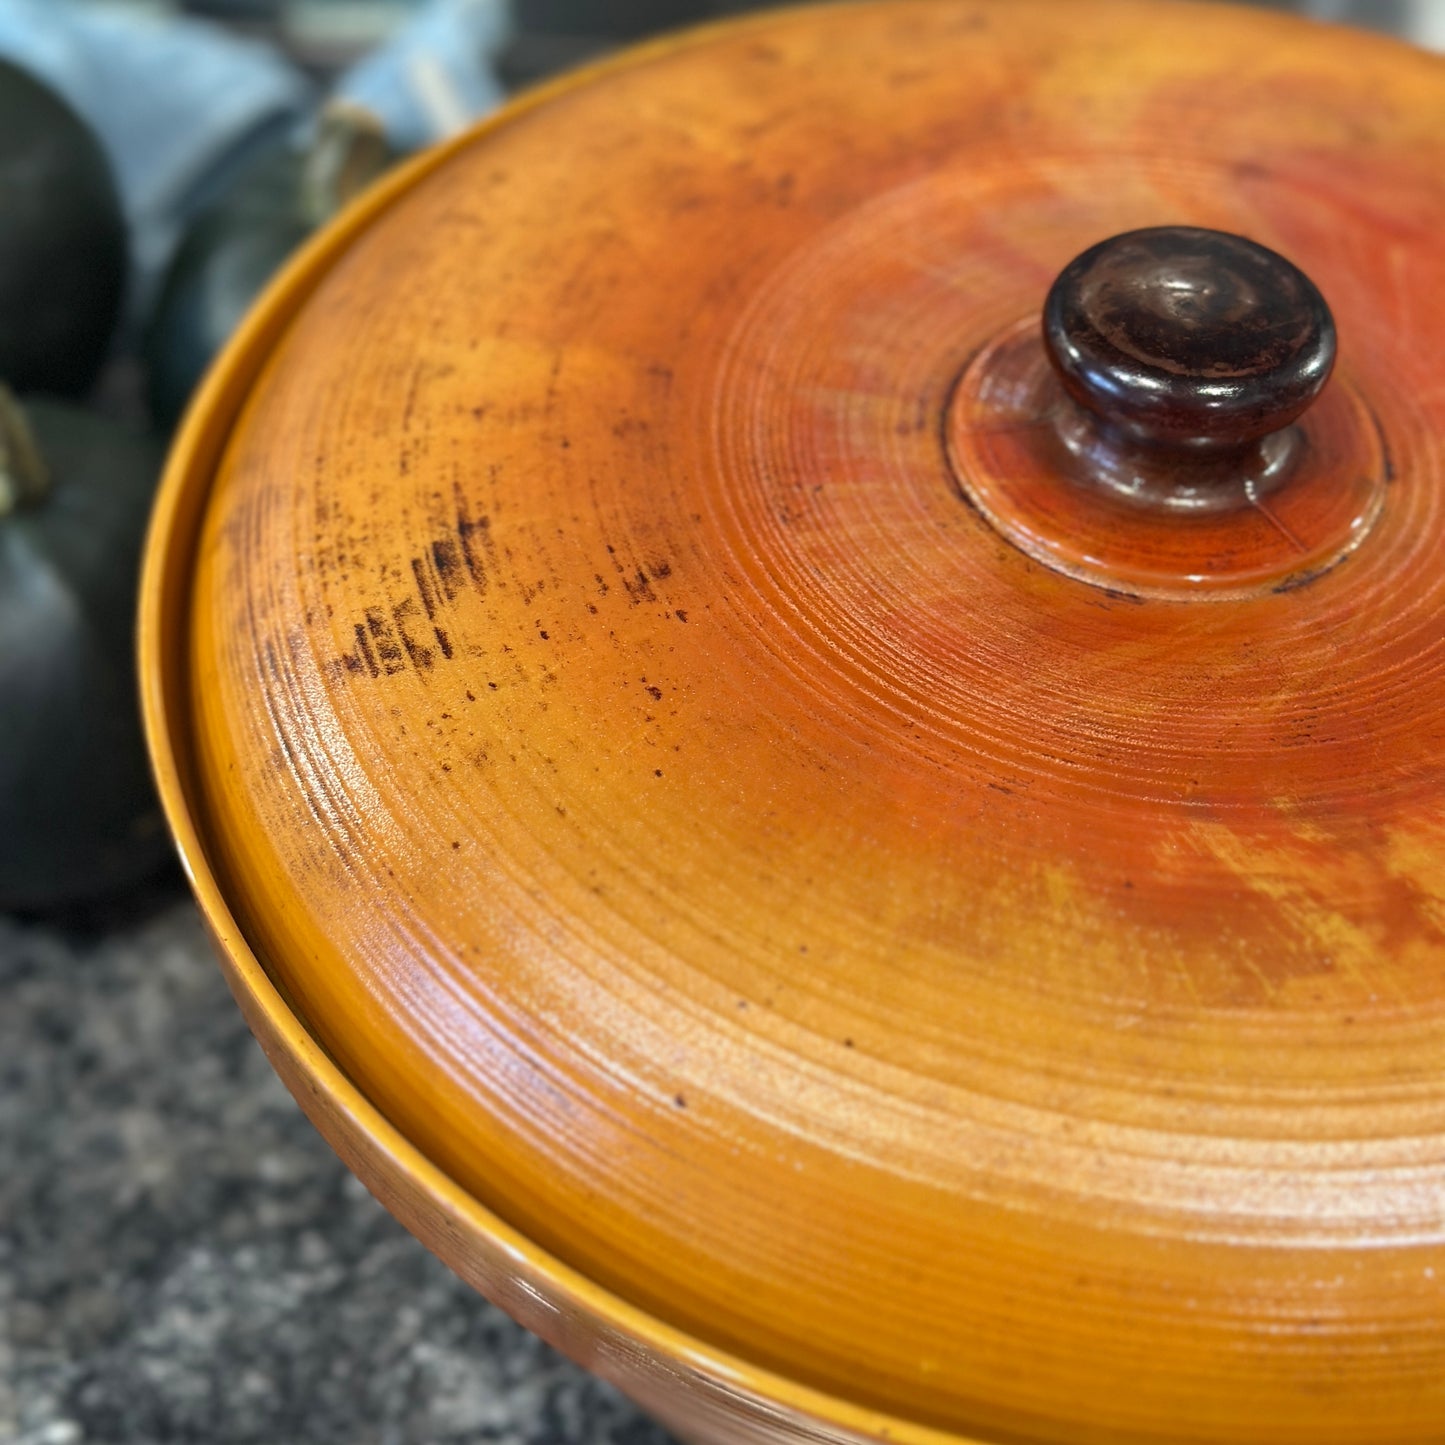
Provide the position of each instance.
(224, 260)
(78, 816)
(234, 247)
(62, 242)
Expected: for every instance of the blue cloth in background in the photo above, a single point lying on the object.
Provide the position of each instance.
(435, 75)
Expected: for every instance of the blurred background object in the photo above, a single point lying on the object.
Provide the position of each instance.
(78, 818)
(178, 105)
(62, 242)
(236, 244)
(1419, 21)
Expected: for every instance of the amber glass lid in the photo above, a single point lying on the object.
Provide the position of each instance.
(677, 743)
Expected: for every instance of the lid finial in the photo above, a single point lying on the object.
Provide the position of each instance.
(1189, 339)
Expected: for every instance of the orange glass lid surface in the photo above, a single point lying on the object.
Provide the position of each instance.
(977, 991)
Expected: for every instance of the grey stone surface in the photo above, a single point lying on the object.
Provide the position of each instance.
(183, 1259)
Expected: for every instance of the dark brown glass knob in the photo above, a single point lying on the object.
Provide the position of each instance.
(1189, 339)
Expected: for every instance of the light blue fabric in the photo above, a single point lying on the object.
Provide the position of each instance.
(435, 75)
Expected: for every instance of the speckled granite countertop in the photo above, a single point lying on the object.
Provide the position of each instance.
(183, 1259)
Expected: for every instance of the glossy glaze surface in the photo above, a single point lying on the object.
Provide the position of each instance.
(975, 1002)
